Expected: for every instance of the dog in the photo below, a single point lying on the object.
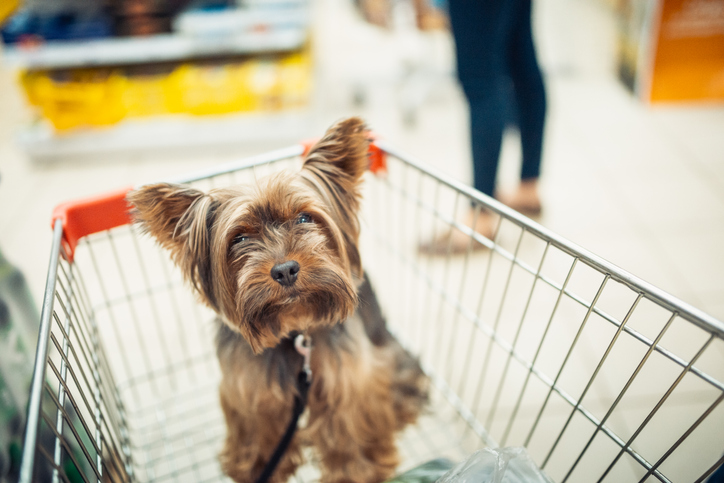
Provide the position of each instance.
(277, 259)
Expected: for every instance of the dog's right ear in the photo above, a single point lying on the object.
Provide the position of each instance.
(165, 212)
(181, 219)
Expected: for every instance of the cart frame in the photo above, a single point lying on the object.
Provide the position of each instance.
(94, 436)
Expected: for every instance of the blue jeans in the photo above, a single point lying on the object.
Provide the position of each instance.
(500, 76)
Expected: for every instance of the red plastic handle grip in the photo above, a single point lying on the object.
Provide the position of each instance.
(91, 215)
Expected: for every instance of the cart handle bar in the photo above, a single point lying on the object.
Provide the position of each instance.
(94, 214)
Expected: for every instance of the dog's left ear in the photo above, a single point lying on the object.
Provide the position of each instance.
(334, 168)
(340, 157)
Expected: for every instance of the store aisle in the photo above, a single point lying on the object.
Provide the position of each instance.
(640, 186)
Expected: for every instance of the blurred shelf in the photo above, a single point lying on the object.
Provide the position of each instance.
(114, 104)
(168, 133)
(156, 48)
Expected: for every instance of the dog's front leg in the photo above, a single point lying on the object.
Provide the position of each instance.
(255, 425)
(352, 418)
(354, 451)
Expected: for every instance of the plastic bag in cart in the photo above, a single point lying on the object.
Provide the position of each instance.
(503, 465)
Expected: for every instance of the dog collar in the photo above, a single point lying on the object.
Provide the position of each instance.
(303, 345)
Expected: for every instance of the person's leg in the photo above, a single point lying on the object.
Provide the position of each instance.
(486, 132)
(530, 104)
(529, 91)
(480, 30)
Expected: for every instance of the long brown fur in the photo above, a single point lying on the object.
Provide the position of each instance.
(365, 385)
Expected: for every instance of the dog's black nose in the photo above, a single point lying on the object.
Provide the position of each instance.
(285, 273)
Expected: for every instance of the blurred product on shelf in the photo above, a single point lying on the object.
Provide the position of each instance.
(7, 7)
(167, 63)
(31, 27)
(200, 20)
(143, 17)
(671, 50)
(38, 22)
(98, 97)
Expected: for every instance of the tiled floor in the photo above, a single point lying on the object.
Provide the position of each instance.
(640, 186)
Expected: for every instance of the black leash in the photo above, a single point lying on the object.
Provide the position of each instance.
(304, 381)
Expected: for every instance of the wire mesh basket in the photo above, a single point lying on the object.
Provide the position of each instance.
(528, 339)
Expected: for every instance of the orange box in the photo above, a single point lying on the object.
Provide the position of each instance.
(672, 50)
(689, 58)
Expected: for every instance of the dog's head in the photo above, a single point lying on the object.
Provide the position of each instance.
(277, 257)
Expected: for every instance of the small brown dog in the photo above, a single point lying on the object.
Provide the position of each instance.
(281, 259)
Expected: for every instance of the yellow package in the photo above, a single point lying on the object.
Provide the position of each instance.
(7, 7)
(204, 90)
(295, 79)
(147, 95)
(78, 98)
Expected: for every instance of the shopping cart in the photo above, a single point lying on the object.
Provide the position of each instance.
(531, 341)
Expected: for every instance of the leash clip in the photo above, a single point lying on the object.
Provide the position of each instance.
(303, 345)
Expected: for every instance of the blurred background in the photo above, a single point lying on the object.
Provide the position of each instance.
(97, 94)
(101, 94)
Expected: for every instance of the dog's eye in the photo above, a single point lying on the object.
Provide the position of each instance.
(240, 239)
(304, 218)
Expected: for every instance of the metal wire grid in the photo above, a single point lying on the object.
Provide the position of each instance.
(161, 422)
(79, 422)
(538, 343)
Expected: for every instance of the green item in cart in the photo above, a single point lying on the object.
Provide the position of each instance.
(428, 472)
(18, 331)
(18, 322)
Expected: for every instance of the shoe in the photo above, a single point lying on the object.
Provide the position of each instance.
(525, 200)
(455, 242)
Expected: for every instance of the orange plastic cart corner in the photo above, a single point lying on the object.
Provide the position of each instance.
(90, 215)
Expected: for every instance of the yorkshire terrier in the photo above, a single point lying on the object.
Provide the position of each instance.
(275, 260)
